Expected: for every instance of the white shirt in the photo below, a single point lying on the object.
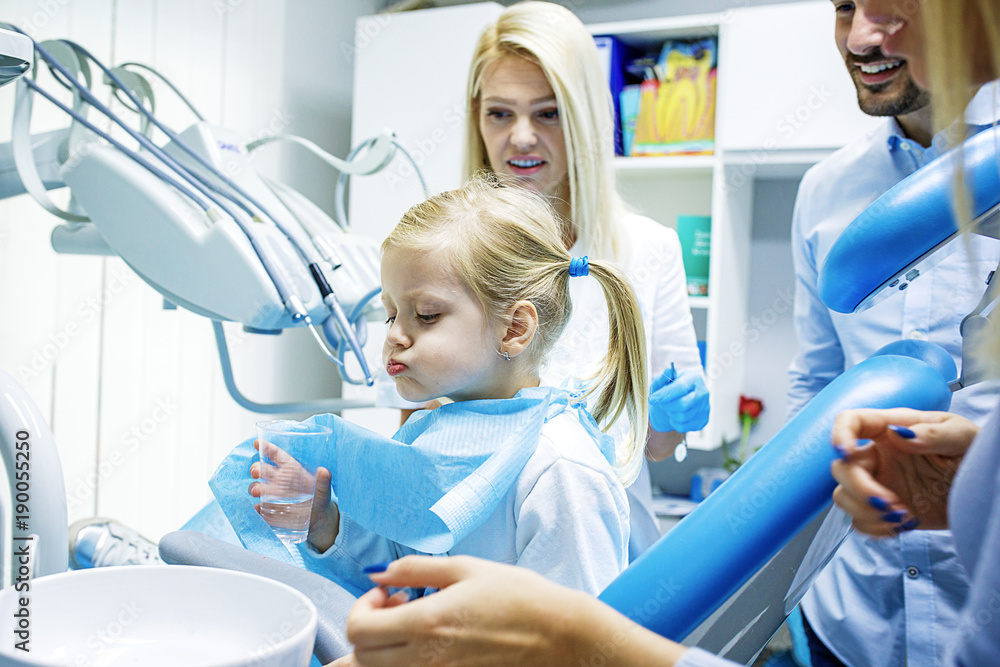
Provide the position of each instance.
(566, 517)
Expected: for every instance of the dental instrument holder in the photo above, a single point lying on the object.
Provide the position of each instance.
(211, 162)
(910, 229)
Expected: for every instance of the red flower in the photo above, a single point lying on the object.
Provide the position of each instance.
(750, 407)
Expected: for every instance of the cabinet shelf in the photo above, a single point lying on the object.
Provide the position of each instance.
(687, 163)
(778, 163)
(648, 32)
(699, 301)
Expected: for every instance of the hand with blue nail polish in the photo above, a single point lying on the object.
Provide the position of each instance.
(901, 479)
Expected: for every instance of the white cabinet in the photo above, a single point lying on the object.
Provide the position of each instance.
(786, 85)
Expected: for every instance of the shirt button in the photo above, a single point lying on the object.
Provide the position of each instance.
(912, 572)
(916, 334)
(905, 145)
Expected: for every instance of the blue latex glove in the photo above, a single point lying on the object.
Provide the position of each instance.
(678, 402)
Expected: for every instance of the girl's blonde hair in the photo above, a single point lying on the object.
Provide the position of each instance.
(553, 38)
(948, 25)
(504, 244)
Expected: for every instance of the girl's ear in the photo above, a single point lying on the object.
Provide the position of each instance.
(522, 323)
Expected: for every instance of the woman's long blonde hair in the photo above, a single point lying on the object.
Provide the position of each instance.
(951, 63)
(554, 38)
(504, 244)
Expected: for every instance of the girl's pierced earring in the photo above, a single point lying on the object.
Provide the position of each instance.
(506, 357)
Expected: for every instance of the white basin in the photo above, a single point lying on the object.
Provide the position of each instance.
(157, 616)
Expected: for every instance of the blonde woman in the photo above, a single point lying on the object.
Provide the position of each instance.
(541, 114)
(522, 620)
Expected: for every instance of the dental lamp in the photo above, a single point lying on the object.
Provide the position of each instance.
(15, 56)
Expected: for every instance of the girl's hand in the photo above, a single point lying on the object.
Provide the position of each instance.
(324, 520)
(898, 482)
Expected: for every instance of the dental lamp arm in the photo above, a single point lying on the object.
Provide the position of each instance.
(377, 157)
(315, 406)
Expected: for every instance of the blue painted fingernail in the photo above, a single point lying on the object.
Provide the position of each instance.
(878, 503)
(376, 568)
(909, 525)
(840, 452)
(903, 432)
(894, 517)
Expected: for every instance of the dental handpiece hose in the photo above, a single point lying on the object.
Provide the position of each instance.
(330, 299)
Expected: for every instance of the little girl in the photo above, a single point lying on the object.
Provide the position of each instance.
(475, 285)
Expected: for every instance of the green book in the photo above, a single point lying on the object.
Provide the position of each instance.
(695, 232)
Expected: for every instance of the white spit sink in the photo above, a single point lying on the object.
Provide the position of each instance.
(157, 616)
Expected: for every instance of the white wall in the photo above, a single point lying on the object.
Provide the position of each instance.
(772, 281)
(133, 392)
(605, 11)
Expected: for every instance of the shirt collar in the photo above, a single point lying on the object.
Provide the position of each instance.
(983, 111)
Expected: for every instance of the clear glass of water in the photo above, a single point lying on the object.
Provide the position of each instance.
(288, 453)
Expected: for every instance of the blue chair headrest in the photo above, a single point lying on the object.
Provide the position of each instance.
(908, 221)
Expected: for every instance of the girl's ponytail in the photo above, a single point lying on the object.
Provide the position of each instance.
(622, 384)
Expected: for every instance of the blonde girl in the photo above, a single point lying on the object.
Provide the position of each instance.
(475, 284)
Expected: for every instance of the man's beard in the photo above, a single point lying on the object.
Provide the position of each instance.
(911, 98)
(870, 98)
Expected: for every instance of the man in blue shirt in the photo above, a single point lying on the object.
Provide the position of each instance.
(893, 601)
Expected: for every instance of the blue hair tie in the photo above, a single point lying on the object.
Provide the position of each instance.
(579, 266)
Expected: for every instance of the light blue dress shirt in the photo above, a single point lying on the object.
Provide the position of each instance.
(893, 601)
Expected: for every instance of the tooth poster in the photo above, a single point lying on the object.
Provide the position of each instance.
(677, 107)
